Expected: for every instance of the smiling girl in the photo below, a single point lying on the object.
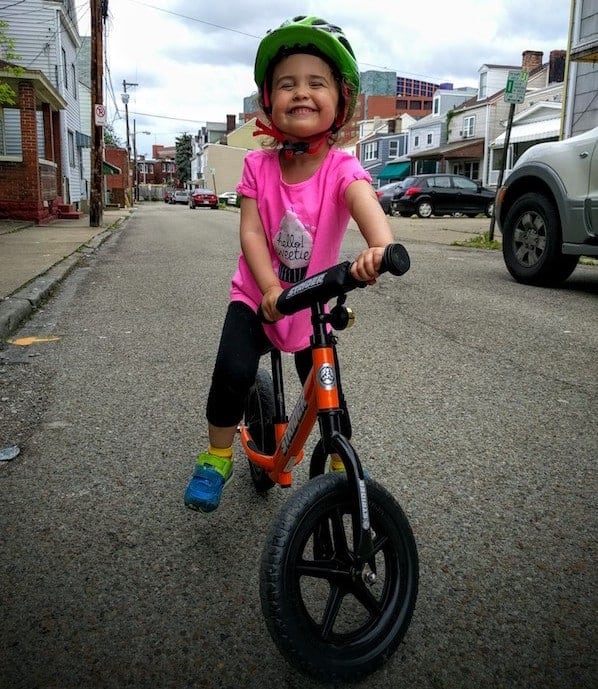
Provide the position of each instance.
(298, 197)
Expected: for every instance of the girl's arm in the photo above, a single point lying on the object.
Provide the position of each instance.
(367, 212)
(255, 249)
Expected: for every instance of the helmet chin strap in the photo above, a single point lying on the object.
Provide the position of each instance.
(309, 146)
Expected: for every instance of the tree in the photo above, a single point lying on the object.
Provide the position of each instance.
(184, 152)
(110, 137)
(7, 53)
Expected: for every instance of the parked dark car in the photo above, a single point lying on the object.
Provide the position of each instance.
(442, 194)
(385, 194)
(203, 198)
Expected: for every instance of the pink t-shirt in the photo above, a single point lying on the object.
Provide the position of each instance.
(304, 223)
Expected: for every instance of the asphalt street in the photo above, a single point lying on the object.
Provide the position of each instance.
(473, 399)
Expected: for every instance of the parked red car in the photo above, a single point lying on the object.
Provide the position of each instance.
(203, 197)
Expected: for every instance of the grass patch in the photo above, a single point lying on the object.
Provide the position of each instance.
(479, 241)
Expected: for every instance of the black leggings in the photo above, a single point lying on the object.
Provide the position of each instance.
(242, 343)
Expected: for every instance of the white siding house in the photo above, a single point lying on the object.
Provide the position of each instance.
(47, 40)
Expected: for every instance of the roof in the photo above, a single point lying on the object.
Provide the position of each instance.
(395, 171)
(530, 131)
(109, 169)
(444, 151)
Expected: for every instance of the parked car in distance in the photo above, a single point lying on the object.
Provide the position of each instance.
(547, 209)
(168, 194)
(385, 194)
(180, 196)
(228, 198)
(442, 194)
(203, 197)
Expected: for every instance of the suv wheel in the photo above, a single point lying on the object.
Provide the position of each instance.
(424, 209)
(531, 243)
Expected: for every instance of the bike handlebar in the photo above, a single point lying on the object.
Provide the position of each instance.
(337, 280)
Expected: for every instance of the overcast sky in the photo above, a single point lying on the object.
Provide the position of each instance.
(194, 65)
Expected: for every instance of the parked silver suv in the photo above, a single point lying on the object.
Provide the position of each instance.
(547, 209)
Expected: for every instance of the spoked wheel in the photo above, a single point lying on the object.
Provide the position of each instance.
(259, 409)
(330, 616)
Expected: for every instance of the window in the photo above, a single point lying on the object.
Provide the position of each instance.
(442, 182)
(71, 140)
(393, 147)
(402, 104)
(370, 151)
(74, 79)
(416, 104)
(468, 126)
(463, 183)
(436, 108)
(416, 142)
(483, 90)
(429, 139)
(64, 69)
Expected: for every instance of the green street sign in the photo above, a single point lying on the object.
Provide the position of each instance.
(516, 85)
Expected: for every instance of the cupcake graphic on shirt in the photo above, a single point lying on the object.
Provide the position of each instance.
(293, 245)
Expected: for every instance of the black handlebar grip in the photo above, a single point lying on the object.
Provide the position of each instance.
(395, 260)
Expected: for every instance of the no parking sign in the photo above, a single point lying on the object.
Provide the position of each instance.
(100, 114)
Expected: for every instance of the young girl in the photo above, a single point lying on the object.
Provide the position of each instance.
(297, 200)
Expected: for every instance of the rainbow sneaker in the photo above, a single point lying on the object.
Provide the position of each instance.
(205, 487)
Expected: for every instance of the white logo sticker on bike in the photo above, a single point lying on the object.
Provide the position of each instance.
(326, 377)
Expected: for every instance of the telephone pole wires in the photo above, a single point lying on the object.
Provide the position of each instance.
(125, 99)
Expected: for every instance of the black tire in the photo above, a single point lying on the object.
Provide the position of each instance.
(424, 209)
(405, 214)
(531, 242)
(307, 575)
(259, 410)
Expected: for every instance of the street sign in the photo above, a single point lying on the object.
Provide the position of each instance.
(100, 115)
(516, 85)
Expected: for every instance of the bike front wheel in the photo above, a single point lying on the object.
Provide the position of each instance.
(331, 618)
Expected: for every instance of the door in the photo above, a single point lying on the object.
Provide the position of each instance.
(467, 196)
(442, 194)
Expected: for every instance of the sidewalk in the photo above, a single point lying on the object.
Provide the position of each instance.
(34, 259)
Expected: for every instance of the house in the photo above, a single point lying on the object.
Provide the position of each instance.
(41, 159)
(428, 136)
(581, 105)
(383, 147)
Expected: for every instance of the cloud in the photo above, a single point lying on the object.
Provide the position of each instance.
(194, 66)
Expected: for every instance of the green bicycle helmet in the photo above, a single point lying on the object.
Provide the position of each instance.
(309, 32)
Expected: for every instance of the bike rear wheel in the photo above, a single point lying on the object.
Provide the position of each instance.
(259, 411)
(329, 617)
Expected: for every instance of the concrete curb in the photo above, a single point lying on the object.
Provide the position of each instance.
(22, 303)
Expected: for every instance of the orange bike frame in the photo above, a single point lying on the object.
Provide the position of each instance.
(320, 393)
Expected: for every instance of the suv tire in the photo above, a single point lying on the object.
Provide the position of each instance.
(531, 242)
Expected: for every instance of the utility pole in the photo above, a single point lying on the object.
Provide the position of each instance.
(125, 99)
(97, 101)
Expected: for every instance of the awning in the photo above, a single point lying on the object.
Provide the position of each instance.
(395, 171)
(531, 131)
(109, 169)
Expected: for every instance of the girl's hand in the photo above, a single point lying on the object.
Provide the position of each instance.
(365, 267)
(269, 300)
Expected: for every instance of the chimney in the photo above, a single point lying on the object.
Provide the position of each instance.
(231, 121)
(532, 59)
(556, 67)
